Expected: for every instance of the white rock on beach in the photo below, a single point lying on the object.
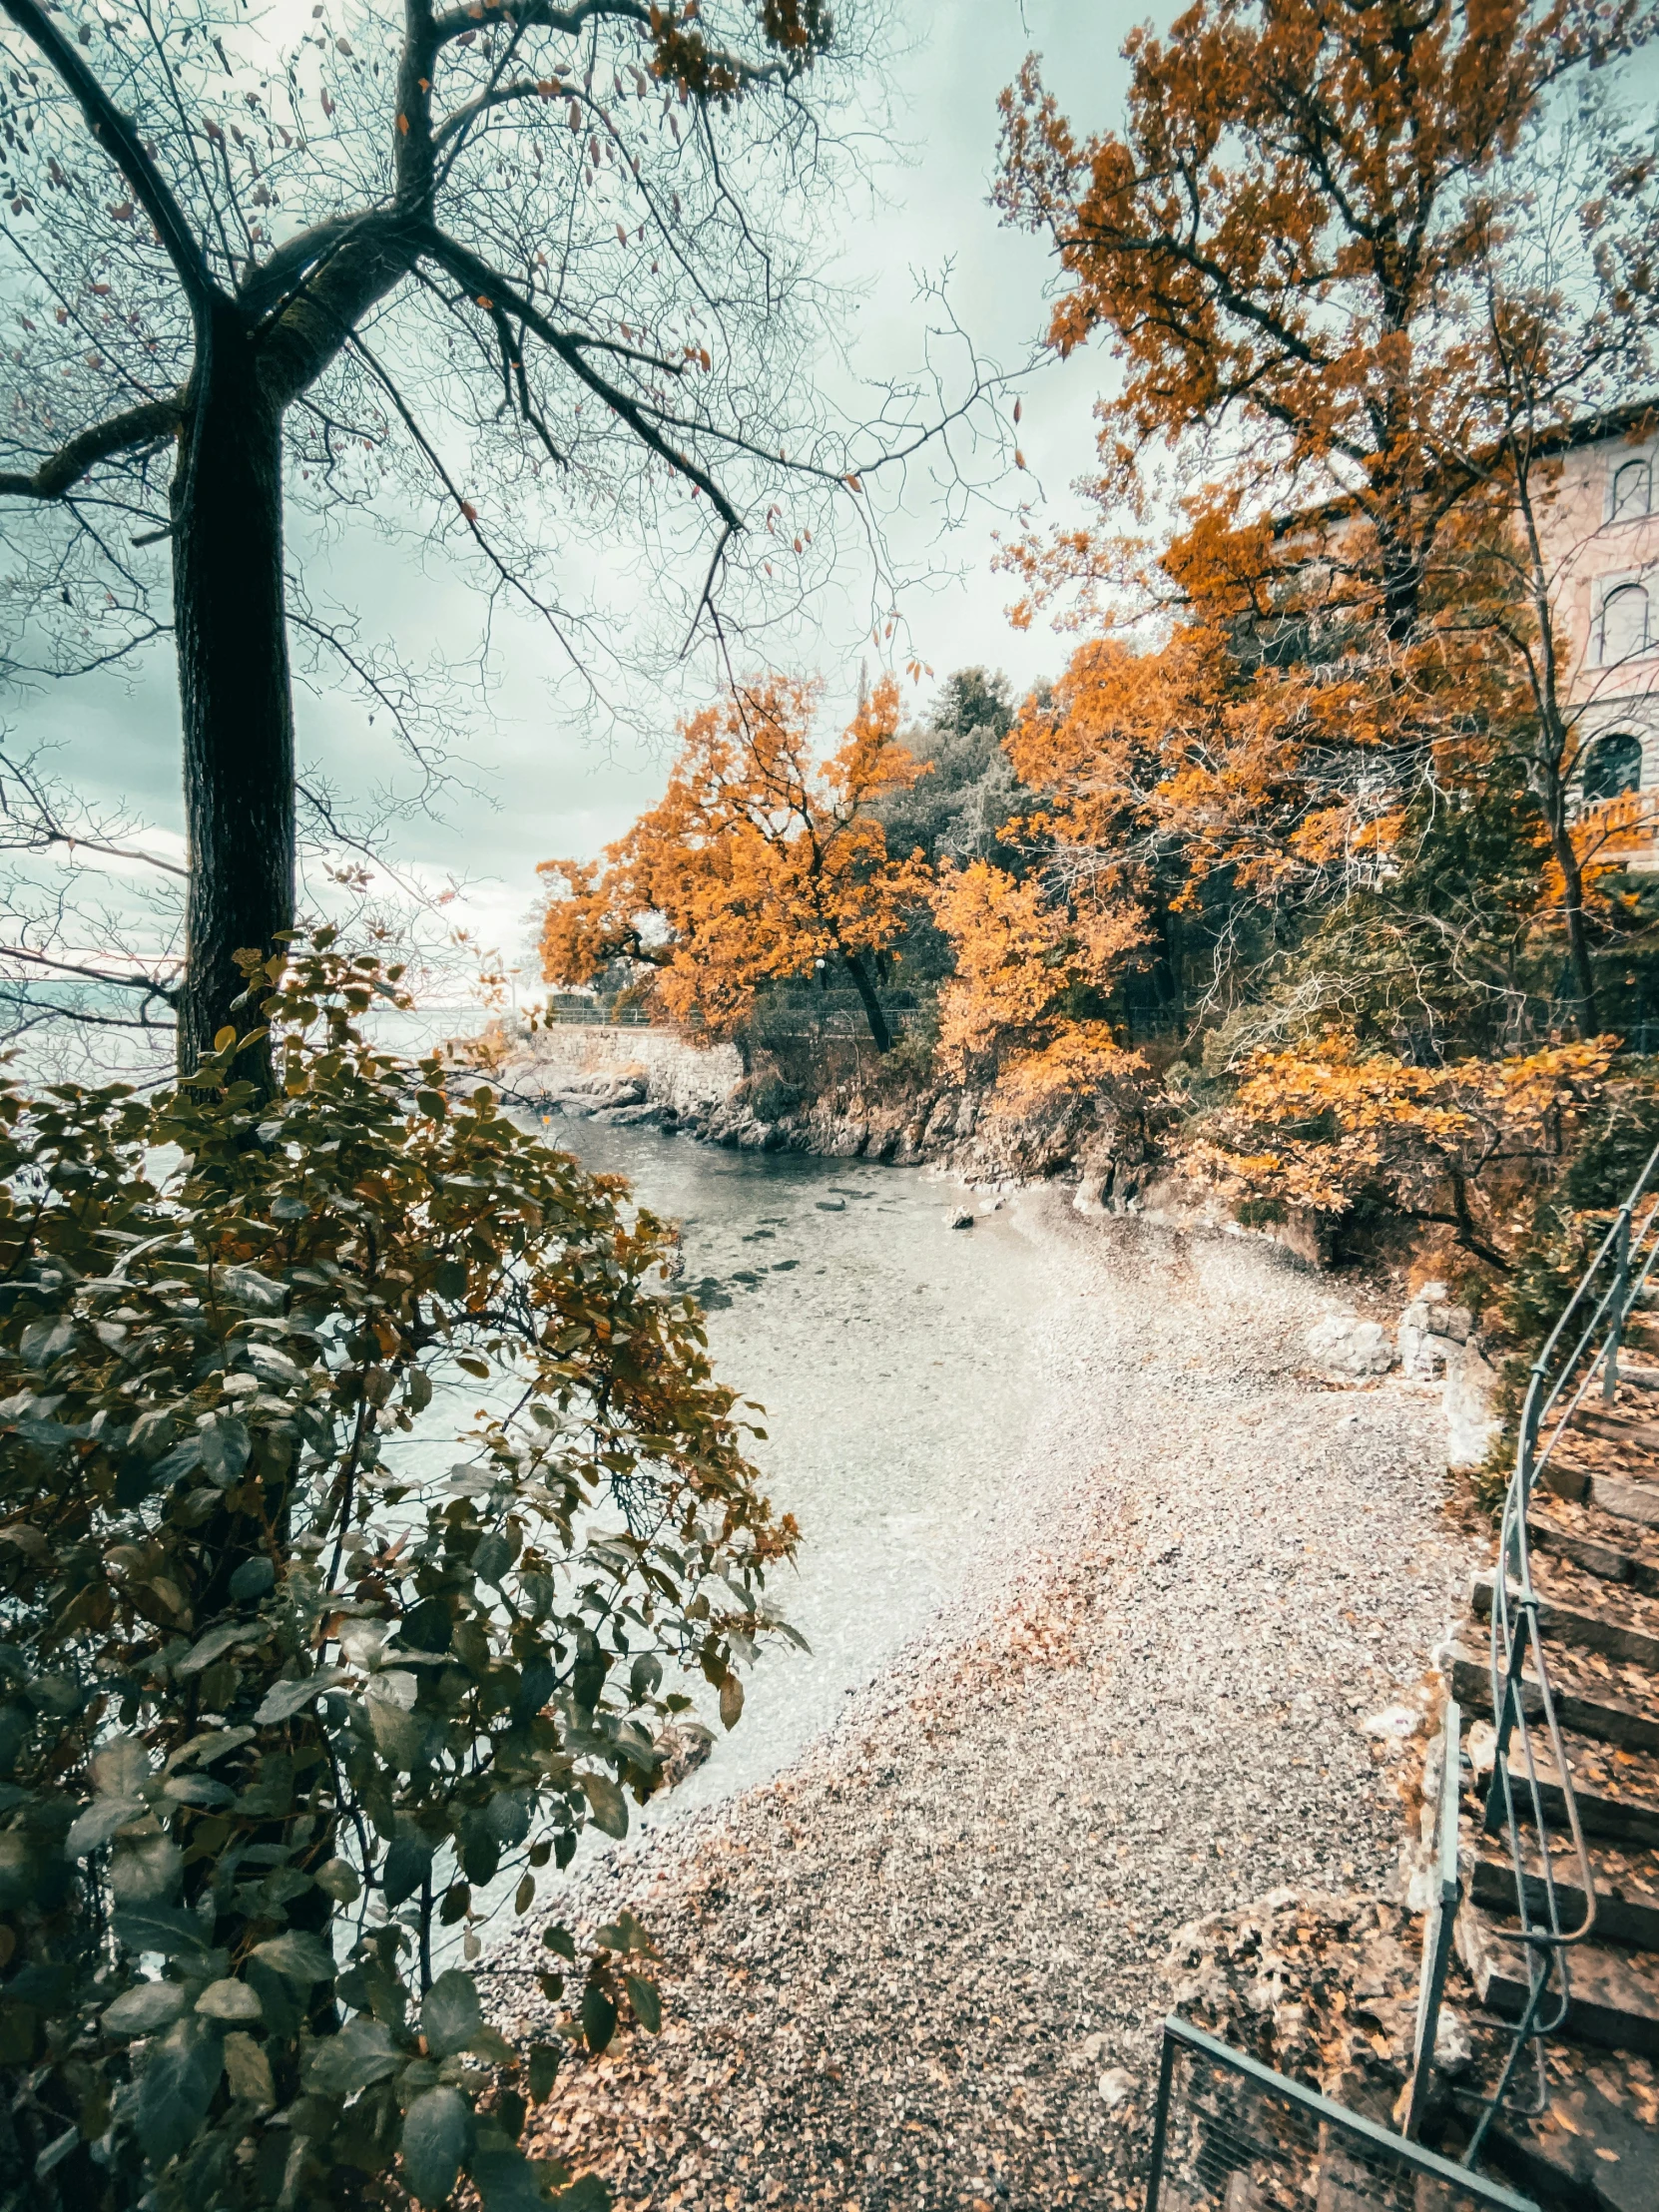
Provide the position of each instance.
(1344, 1344)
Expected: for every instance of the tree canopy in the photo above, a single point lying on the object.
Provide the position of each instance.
(513, 278)
(759, 864)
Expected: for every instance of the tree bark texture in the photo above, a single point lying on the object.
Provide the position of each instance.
(874, 1014)
(234, 687)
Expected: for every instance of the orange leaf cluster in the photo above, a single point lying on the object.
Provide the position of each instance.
(758, 865)
(1331, 1123)
(1027, 969)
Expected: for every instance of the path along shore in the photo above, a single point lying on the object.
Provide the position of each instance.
(921, 1967)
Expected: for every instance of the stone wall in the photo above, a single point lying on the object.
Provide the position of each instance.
(686, 1078)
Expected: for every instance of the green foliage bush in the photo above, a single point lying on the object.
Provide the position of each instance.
(288, 1677)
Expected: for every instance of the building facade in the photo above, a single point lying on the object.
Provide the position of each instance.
(1602, 543)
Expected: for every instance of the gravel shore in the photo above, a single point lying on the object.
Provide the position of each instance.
(921, 1967)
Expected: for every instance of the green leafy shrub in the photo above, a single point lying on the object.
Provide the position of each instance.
(288, 1678)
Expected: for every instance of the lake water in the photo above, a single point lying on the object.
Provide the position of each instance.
(895, 1358)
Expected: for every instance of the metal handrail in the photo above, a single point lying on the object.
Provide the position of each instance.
(1583, 1345)
(1391, 2157)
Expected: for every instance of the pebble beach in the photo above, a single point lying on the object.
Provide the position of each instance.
(921, 1965)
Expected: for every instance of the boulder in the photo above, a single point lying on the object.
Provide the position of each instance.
(959, 1217)
(628, 1117)
(1090, 1195)
(942, 1122)
(1344, 1344)
(1430, 1329)
(1470, 1401)
(908, 1150)
(768, 1097)
(1421, 1353)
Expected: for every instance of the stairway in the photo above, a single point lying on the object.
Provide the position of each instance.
(1593, 1532)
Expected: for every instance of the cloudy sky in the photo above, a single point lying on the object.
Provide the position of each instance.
(539, 785)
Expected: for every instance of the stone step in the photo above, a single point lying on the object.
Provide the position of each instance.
(1625, 1496)
(1616, 1791)
(1612, 1456)
(1626, 1888)
(1613, 1550)
(1613, 1993)
(1591, 2149)
(1574, 1609)
(1618, 1703)
(1639, 1432)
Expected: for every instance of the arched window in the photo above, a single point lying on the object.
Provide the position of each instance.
(1613, 767)
(1632, 490)
(1624, 629)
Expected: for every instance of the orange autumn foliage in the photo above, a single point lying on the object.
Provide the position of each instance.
(1025, 972)
(1181, 759)
(757, 863)
(1286, 244)
(1331, 1124)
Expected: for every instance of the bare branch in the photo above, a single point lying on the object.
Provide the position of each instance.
(116, 135)
(147, 424)
(491, 288)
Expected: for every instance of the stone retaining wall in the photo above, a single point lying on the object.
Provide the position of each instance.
(676, 1074)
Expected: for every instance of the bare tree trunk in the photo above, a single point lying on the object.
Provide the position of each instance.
(1588, 1020)
(234, 687)
(871, 1004)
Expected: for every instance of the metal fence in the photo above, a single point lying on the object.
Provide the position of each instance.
(604, 1013)
(1231, 2135)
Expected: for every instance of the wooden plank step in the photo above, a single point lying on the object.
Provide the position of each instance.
(1614, 1994)
(1568, 1609)
(1616, 1704)
(1626, 1888)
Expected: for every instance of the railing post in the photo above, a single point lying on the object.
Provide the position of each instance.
(1160, 2121)
(1621, 1291)
(1507, 1706)
(1440, 1926)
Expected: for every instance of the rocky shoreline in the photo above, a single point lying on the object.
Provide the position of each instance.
(925, 1964)
(892, 1118)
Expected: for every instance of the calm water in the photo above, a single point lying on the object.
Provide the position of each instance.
(894, 1357)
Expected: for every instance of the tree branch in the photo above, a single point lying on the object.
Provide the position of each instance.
(116, 135)
(493, 289)
(146, 984)
(147, 424)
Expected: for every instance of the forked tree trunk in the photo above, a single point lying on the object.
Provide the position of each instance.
(234, 687)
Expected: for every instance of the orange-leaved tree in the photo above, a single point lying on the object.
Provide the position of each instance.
(1287, 246)
(1032, 973)
(1331, 1124)
(759, 863)
(1308, 250)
